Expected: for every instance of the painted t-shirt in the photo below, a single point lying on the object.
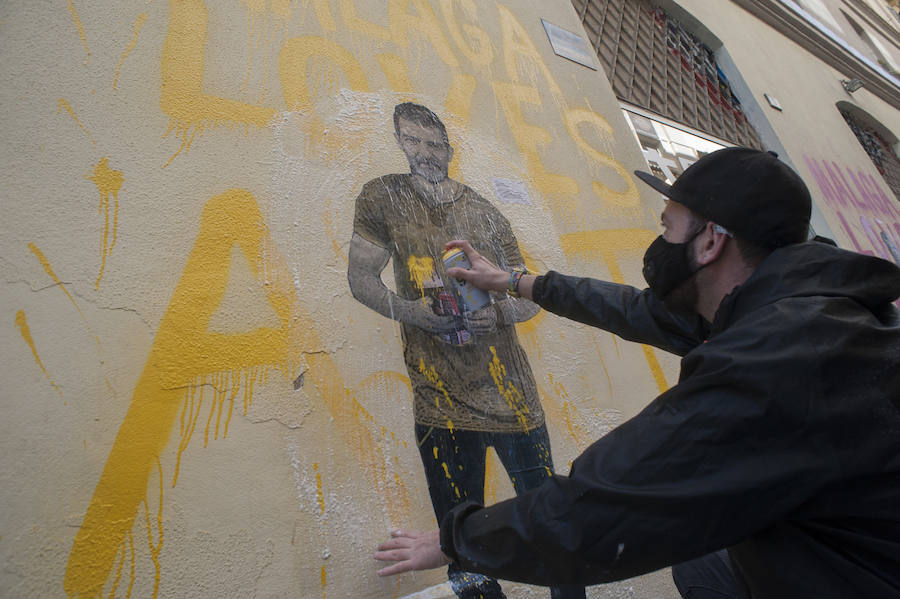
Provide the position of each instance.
(484, 384)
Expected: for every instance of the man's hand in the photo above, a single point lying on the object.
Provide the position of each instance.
(411, 550)
(483, 274)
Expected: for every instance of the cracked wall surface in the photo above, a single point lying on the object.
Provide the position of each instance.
(196, 404)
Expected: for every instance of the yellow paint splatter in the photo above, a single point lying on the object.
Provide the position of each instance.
(324, 581)
(420, 270)
(507, 390)
(108, 182)
(60, 105)
(26, 335)
(49, 270)
(80, 29)
(142, 18)
(432, 377)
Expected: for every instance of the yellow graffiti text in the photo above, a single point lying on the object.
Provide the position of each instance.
(424, 25)
(520, 55)
(185, 356)
(626, 201)
(529, 139)
(182, 99)
(477, 48)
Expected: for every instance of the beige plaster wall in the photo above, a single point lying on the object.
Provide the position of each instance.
(195, 405)
(850, 193)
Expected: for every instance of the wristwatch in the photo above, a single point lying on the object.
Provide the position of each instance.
(512, 289)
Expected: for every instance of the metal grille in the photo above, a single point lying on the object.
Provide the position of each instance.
(654, 63)
(879, 151)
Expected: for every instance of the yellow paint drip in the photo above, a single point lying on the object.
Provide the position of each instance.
(507, 390)
(26, 335)
(324, 581)
(320, 497)
(108, 182)
(142, 18)
(80, 27)
(62, 104)
(157, 547)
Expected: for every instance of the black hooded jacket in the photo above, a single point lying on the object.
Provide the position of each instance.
(781, 442)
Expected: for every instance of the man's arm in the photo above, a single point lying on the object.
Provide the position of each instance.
(367, 260)
(699, 469)
(621, 309)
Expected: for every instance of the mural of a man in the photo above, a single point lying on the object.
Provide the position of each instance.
(472, 384)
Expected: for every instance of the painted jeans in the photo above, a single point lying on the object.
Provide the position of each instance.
(454, 469)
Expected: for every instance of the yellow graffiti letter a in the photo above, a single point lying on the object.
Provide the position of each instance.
(183, 353)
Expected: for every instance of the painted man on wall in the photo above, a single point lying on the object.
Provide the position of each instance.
(472, 384)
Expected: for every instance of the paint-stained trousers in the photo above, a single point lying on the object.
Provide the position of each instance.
(454, 464)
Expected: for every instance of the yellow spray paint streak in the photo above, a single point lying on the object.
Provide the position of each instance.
(142, 18)
(421, 270)
(507, 390)
(108, 182)
(49, 270)
(26, 335)
(607, 245)
(320, 500)
(80, 29)
(432, 377)
(185, 356)
(155, 549)
(62, 104)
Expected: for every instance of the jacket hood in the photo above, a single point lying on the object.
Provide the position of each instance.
(813, 269)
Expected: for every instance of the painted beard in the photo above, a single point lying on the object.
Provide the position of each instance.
(431, 171)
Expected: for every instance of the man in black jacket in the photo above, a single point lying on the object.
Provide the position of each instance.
(781, 440)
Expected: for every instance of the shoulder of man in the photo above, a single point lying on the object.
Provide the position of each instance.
(385, 184)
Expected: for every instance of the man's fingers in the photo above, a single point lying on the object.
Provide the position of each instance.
(397, 568)
(464, 245)
(411, 534)
(397, 543)
(392, 555)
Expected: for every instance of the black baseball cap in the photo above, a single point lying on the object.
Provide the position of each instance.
(749, 192)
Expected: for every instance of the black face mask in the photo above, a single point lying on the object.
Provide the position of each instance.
(667, 265)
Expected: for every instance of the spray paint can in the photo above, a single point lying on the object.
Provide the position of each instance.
(468, 297)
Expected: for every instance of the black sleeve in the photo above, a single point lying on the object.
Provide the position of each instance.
(626, 311)
(708, 463)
